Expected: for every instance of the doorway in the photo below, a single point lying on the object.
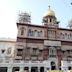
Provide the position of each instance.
(69, 68)
(41, 69)
(3, 69)
(15, 69)
(26, 69)
(34, 69)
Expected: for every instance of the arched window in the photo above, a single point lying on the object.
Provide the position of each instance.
(36, 33)
(62, 35)
(22, 31)
(65, 34)
(70, 35)
(3, 50)
(50, 20)
(52, 52)
(39, 33)
(30, 32)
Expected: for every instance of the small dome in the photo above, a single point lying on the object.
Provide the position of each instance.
(49, 13)
(70, 23)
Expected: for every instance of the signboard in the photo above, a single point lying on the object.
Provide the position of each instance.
(52, 43)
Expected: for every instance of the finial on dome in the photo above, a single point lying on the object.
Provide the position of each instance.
(49, 12)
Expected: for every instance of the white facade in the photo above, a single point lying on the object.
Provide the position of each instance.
(6, 57)
(7, 46)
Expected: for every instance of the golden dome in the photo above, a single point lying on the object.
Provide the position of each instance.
(49, 13)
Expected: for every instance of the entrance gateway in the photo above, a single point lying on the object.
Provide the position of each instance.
(35, 69)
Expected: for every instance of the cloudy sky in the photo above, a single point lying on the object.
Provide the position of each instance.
(9, 9)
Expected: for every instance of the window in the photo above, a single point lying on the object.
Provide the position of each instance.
(19, 52)
(22, 31)
(36, 33)
(30, 32)
(19, 49)
(62, 35)
(39, 33)
(51, 34)
(27, 51)
(52, 52)
(34, 51)
(63, 52)
(40, 51)
(50, 20)
(68, 51)
(65, 33)
(70, 35)
(3, 51)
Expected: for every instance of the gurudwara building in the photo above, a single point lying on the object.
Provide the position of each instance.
(40, 48)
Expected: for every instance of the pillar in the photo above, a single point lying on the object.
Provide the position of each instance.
(29, 69)
(45, 69)
(38, 69)
(9, 69)
(21, 69)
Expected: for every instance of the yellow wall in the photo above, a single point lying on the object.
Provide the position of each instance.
(55, 71)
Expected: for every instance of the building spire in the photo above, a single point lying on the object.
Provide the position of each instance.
(49, 6)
